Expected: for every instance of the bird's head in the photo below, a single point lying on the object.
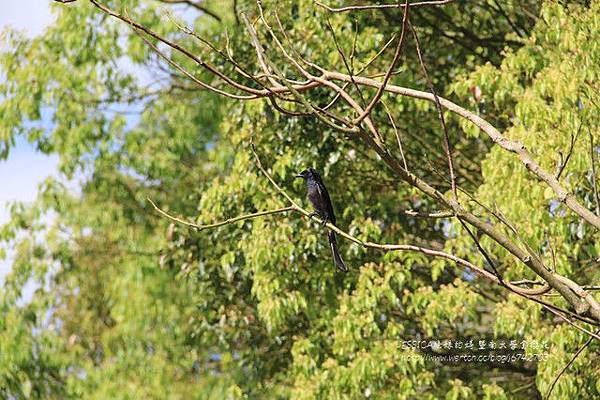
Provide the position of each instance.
(308, 174)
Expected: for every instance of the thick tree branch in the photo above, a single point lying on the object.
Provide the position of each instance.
(513, 146)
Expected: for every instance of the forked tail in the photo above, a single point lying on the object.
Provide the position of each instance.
(337, 259)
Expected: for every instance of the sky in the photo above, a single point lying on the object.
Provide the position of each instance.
(25, 167)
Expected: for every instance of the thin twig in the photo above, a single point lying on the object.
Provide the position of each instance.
(386, 78)
(422, 214)
(363, 69)
(562, 371)
(510, 22)
(221, 223)
(483, 252)
(559, 313)
(396, 133)
(196, 5)
(563, 165)
(175, 46)
(592, 161)
(341, 53)
(226, 55)
(189, 74)
(318, 112)
(382, 6)
(545, 288)
(438, 106)
(235, 12)
(354, 128)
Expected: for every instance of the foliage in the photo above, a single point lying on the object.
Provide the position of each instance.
(129, 305)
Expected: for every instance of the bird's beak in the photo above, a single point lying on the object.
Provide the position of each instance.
(298, 176)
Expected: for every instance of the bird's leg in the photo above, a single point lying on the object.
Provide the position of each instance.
(313, 214)
(316, 214)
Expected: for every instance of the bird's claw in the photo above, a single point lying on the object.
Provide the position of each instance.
(314, 214)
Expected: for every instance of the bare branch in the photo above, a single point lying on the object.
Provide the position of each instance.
(341, 53)
(593, 163)
(382, 6)
(568, 289)
(226, 55)
(438, 106)
(396, 133)
(516, 147)
(196, 5)
(175, 46)
(270, 178)
(560, 313)
(375, 57)
(235, 12)
(483, 252)
(318, 112)
(563, 165)
(221, 223)
(189, 74)
(378, 139)
(386, 78)
(421, 214)
(562, 371)
(563, 195)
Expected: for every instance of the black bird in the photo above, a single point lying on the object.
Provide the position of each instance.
(319, 197)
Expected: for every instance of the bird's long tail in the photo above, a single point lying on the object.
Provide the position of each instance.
(337, 259)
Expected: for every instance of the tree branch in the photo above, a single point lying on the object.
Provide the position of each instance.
(593, 163)
(563, 165)
(196, 5)
(438, 107)
(382, 6)
(221, 223)
(512, 146)
(562, 371)
(386, 78)
(568, 289)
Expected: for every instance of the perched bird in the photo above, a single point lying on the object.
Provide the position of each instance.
(319, 197)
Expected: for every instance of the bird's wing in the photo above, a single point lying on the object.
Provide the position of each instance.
(328, 206)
